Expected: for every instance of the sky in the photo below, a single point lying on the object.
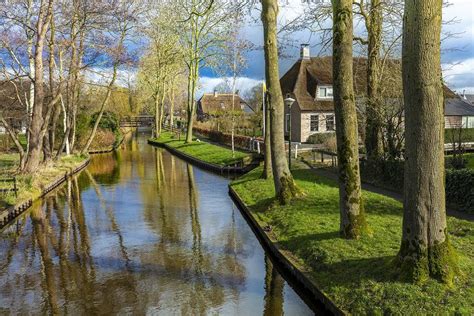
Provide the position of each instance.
(457, 51)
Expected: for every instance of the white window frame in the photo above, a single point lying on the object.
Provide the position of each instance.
(333, 119)
(325, 95)
(311, 121)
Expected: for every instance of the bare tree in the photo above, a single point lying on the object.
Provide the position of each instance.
(201, 25)
(123, 20)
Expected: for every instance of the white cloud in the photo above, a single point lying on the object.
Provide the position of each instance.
(208, 84)
(460, 75)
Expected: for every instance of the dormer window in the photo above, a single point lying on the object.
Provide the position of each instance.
(325, 92)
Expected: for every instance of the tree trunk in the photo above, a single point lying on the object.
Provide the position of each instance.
(172, 100)
(373, 140)
(85, 150)
(191, 103)
(285, 187)
(157, 115)
(33, 158)
(267, 164)
(353, 223)
(425, 249)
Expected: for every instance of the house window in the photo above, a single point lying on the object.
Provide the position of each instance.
(325, 92)
(329, 122)
(314, 123)
(287, 123)
(468, 122)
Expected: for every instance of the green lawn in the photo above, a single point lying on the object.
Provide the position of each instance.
(358, 275)
(8, 162)
(204, 151)
(470, 160)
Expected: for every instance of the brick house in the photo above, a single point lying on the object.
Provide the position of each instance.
(309, 82)
(458, 113)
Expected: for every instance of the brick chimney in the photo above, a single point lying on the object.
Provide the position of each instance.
(305, 53)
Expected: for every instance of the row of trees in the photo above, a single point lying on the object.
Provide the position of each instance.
(48, 49)
(425, 250)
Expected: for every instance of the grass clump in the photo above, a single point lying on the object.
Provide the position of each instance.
(360, 276)
(204, 151)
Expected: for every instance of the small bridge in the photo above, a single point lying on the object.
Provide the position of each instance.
(137, 121)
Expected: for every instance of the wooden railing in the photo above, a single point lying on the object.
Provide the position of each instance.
(8, 185)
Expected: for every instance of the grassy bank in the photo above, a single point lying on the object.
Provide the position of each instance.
(31, 185)
(358, 275)
(204, 151)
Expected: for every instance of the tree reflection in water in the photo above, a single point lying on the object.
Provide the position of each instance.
(158, 237)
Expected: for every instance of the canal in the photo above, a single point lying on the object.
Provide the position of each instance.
(139, 232)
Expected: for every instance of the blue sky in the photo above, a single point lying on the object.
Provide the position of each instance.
(457, 57)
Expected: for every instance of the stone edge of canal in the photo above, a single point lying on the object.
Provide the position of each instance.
(307, 290)
(8, 215)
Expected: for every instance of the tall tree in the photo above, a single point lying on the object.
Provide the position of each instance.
(201, 36)
(285, 187)
(122, 21)
(41, 111)
(425, 249)
(353, 223)
(373, 19)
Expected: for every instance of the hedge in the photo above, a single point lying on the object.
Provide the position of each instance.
(390, 174)
(467, 135)
(460, 189)
(240, 141)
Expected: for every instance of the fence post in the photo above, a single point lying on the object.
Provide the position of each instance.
(15, 187)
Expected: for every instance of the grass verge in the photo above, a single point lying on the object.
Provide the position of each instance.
(31, 185)
(358, 275)
(204, 151)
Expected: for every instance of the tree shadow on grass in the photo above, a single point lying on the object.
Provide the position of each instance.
(346, 272)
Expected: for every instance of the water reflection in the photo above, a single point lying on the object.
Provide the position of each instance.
(139, 231)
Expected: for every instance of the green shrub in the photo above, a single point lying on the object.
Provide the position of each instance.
(460, 189)
(108, 121)
(467, 135)
(320, 138)
(390, 174)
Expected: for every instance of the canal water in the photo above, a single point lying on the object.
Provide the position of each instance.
(139, 232)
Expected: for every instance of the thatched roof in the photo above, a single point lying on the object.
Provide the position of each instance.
(302, 79)
(216, 103)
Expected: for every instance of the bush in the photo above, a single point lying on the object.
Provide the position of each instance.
(108, 121)
(390, 174)
(240, 141)
(467, 135)
(320, 138)
(460, 189)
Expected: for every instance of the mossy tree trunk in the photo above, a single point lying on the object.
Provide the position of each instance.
(285, 187)
(353, 223)
(425, 249)
(373, 134)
